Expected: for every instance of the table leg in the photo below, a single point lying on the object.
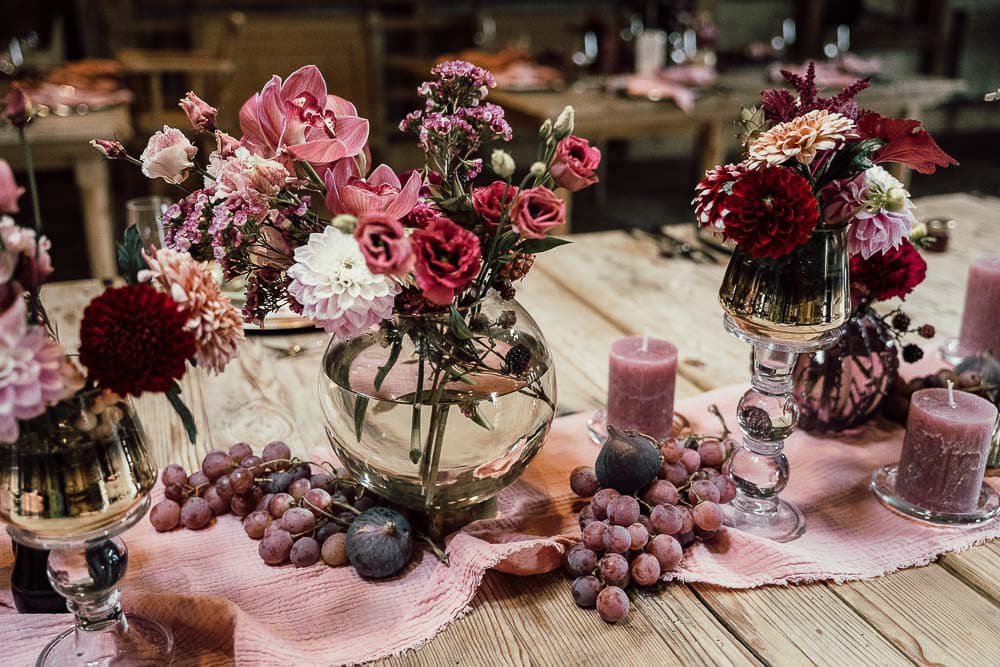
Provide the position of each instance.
(711, 147)
(92, 179)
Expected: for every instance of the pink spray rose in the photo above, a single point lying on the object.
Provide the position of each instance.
(575, 163)
(448, 258)
(381, 192)
(536, 211)
(384, 244)
(9, 190)
(168, 156)
(245, 173)
(491, 200)
(200, 113)
(21, 259)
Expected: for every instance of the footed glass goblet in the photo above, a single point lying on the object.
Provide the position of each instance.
(79, 476)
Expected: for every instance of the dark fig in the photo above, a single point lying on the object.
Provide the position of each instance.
(987, 371)
(629, 461)
(379, 542)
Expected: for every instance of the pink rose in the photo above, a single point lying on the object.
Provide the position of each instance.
(490, 202)
(9, 190)
(200, 113)
(536, 211)
(168, 156)
(245, 173)
(384, 244)
(575, 163)
(448, 258)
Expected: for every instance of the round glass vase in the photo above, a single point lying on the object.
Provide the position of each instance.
(436, 417)
(783, 308)
(841, 387)
(79, 476)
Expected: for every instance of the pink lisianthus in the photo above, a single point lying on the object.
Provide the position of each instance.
(168, 156)
(22, 260)
(575, 163)
(200, 113)
(298, 118)
(384, 244)
(381, 192)
(9, 190)
(490, 202)
(448, 258)
(536, 211)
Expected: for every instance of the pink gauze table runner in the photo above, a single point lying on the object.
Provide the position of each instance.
(224, 604)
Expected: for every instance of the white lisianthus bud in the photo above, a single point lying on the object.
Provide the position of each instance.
(895, 199)
(545, 131)
(564, 123)
(538, 169)
(345, 222)
(502, 163)
(918, 231)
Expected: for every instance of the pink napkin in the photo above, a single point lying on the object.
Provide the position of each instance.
(225, 605)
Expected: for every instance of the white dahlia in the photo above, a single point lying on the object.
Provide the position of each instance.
(331, 281)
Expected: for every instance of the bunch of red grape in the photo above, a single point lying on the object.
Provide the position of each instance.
(299, 514)
(638, 538)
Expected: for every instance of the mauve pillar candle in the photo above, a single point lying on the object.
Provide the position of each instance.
(944, 451)
(642, 374)
(981, 316)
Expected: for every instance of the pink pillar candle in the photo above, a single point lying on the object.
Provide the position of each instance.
(642, 374)
(945, 449)
(980, 331)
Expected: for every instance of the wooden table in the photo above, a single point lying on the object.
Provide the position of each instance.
(63, 142)
(585, 295)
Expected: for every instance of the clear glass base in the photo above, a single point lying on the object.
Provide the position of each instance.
(883, 485)
(134, 641)
(951, 353)
(784, 524)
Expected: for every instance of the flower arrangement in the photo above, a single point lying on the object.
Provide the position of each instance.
(134, 339)
(809, 162)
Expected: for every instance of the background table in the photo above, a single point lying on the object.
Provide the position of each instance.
(584, 296)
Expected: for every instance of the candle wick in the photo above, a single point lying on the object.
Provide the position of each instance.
(645, 342)
(951, 395)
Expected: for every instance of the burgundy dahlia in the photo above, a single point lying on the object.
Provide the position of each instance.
(894, 273)
(772, 211)
(711, 194)
(132, 339)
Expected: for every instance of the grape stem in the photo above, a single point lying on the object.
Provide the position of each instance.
(437, 551)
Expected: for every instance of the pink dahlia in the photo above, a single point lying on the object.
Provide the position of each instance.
(711, 194)
(381, 192)
(32, 370)
(844, 199)
(336, 289)
(211, 317)
(886, 219)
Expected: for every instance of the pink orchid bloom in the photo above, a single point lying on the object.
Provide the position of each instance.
(381, 192)
(297, 118)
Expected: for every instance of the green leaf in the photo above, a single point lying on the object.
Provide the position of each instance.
(389, 363)
(360, 407)
(130, 261)
(535, 246)
(458, 326)
(177, 403)
(479, 419)
(852, 160)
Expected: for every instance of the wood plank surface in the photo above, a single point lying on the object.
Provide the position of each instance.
(584, 296)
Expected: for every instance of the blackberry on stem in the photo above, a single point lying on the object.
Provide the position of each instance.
(901, 322)
(912, 353)
(518, 358)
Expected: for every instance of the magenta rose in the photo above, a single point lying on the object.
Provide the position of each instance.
(491, 200)
(536, 211)
(384, 244)
(421, 215)
(448, 258)
(575, 163)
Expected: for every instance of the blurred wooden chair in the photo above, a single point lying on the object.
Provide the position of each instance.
(208, 72)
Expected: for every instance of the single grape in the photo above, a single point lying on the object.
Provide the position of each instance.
(600, 502)
(585, 590)
(198, 482)
(251, 462)
(675, 473)
(346, 518)
(727, 490)
(279, 482)
(593, 535)
(224, 487)
(612, 604)
(661, 492)
(255, 523)
(969, 379)
(175, 492)
(334, 551)
(321, 480)
(242, 505)
(298, 520)
(264, 501)
(280, 503)
(275, 548)
(196, 513)
(711, 452)
(300, 471)
(365, 502)
(613, 568)
(216, 464)
(165, 515)
(671, 450)
(623, 511)
(617, 539)
(304, 552)
(583, 481)
(241, 480)
(707, 515)
(580, 561)
(666, 519)
(275, 455)
(667, 551)
(646, 523)
(703, 489)
(685, 539)
(326, 530)
(240, 451)
(645, 570)
(317, 501)
(691, 460)
(216, 502)
(586, 516)
(173, 474)
(299, 488)
(639, 536)
(687, 520)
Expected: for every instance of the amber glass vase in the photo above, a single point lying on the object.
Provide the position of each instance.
(783, 308)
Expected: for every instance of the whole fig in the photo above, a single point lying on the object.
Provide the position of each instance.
(379, 542)
(628, 461)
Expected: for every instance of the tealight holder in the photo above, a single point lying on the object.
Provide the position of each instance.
(597, 426)
(883, 485)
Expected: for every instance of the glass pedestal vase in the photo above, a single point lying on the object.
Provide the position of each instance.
(783, 308)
